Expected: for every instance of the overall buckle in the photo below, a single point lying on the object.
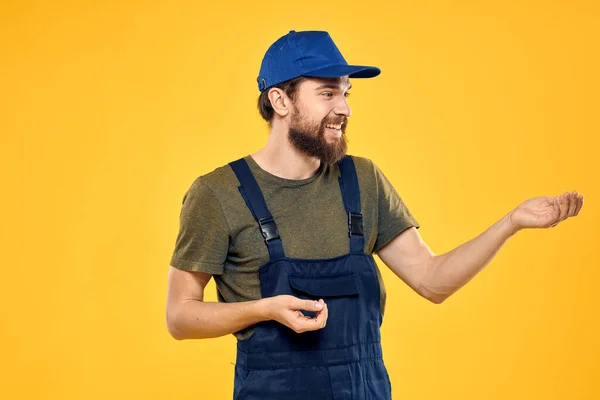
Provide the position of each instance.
(355, 224)
(268, 228)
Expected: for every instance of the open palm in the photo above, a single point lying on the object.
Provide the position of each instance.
(546, 211)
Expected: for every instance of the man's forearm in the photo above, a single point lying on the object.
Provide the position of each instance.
(450, 271)
(199, 320)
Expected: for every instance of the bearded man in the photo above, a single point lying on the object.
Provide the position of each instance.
(289, 232)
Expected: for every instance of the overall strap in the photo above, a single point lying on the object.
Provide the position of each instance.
(258, 207)
(351, 197)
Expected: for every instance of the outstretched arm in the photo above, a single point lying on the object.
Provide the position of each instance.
(436, 277)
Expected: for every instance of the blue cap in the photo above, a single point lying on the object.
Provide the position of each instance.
(307, 53)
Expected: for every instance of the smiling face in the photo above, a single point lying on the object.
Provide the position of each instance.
(319, 117)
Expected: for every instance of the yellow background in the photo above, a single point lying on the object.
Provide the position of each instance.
(110, 110)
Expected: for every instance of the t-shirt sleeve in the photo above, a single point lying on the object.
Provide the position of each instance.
(393, 215)
(203, 239)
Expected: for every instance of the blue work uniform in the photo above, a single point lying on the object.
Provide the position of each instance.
(342, 361)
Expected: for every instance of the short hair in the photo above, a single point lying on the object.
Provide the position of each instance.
(290, 87)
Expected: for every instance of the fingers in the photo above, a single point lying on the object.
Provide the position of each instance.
(579, 205)
(575, 202)
(570, 204)
(303, 323)
(321, 319)
(308, 305)
(563, 202)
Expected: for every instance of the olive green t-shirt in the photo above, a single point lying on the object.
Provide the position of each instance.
(219, 235)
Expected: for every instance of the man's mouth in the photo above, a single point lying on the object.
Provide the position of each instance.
(334, 127)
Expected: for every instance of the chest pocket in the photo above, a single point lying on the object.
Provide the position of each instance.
(325, 286)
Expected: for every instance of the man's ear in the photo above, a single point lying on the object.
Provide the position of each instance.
(280, 101)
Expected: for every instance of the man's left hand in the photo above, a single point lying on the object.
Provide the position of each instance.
(546, 211)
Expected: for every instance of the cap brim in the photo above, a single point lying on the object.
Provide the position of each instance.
(353, 71)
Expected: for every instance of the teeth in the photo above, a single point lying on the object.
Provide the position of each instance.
(334, 126)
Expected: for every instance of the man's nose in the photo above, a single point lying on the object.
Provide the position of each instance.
(343, 108)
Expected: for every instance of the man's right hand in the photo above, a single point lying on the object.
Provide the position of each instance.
(286, 310)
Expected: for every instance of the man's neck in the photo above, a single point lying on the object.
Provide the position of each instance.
(280, 158)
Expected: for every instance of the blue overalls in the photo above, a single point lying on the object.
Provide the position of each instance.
(342, 361)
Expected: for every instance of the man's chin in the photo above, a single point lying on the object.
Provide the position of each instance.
(334, 157)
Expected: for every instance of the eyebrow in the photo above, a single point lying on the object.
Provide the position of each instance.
(332, 86)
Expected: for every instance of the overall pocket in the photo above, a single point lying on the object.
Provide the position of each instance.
(315, 288)
(325, 286)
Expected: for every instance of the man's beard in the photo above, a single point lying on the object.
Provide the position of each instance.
(309, 138)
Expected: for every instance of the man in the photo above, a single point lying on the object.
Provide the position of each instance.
(289, 232)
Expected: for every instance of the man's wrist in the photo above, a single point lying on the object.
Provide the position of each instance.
(263, 309)
(511, 225)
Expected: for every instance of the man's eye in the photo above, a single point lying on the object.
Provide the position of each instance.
(347, 94)
(328, 94)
